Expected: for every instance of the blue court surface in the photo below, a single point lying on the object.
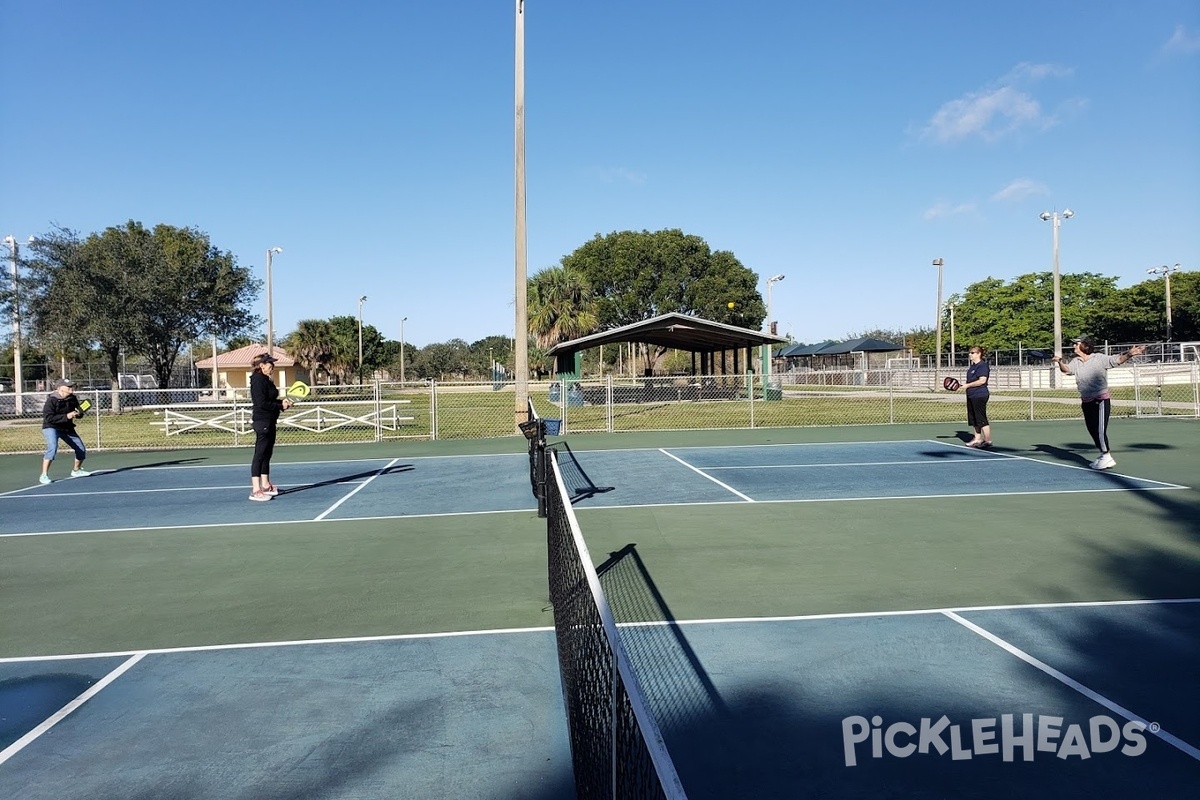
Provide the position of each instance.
(192, 495)
(1054, 699)
(1091, 700)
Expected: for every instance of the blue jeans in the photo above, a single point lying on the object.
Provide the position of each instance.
(54, 434)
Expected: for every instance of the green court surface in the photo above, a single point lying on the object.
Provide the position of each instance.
(388, 573)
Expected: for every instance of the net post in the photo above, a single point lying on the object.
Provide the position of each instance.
(540, 469)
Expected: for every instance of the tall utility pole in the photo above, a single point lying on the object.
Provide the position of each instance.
(1164, 270)
(951, 334)
(1057, 219)
(402, 321)
(16, 324)
(361, 300)
(771, 281)
(937, 262)
(270, 317)
(521, 333)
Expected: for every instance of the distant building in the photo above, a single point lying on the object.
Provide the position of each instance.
(233, 369)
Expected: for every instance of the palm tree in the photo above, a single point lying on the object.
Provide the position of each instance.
(311, 344)
(561, 307)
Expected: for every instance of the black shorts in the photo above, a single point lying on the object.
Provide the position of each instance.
(977, 411)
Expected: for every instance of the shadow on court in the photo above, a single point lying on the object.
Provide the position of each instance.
(800, 709)
(358, 476)
(579, 485)
(179, 462)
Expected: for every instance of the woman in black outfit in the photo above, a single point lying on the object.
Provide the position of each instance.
(265, 409)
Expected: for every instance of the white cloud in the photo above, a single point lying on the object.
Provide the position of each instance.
(1019, 190)
(1031, 73)
(999, 109)
(621, 174)
(1182, 42)
(943, 209)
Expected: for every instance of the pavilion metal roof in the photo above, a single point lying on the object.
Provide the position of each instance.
(861, 345)
(679, 331)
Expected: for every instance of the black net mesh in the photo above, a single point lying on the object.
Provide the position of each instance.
(615, 743)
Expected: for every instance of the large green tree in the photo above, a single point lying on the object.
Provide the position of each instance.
(1000, 315)
(311, 344)
(560, 306)
(1139, 313)
(443, 360)
(637, 275)
(149, 292)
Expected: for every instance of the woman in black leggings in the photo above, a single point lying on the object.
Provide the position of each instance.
(265, 409)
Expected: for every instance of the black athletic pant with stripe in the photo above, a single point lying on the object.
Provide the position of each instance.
(1095, 416)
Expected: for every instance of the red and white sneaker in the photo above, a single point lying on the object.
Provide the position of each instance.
(260, 496)
(271, 490)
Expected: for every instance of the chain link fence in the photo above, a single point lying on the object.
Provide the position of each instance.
(375, 412)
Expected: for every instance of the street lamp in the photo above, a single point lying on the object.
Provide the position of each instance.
(951, 334)
(16, 324)
(1165, 271)
(771, 281)
(270, 318)
(361, 300)
(937, 262)
(402, 321)
(1057, 219)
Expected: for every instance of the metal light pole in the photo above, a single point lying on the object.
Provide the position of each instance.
(771, 281)
(16, 324)
(1165, 271)
(521, 329)
(937, 262)
(402, 321)
(361, 300)
(1056, 219)
(270, 317)
(951, 334)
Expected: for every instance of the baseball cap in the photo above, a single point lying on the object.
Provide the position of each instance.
(266, 358)
(64, 382)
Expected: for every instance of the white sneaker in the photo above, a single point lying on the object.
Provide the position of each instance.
(45, 479)
(1105, 461)
(260, 497)
(79, 473)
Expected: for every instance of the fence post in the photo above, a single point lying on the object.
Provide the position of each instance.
(378, 412)
(611, 422)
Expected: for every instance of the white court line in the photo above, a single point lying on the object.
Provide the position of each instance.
(924, 462)
(242, 523)
(356, 490)
(396, 637)
(1018, 457)
(1070, 682)
(700, 472)
(278, 464)
(56, 495)
(581, 509)
(62, 713)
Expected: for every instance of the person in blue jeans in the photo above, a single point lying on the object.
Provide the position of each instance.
(976, 386)
(58, 422)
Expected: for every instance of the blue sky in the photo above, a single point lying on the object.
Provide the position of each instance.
(845, 145)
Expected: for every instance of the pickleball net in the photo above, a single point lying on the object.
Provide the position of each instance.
(534, 429)
(617, 748)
